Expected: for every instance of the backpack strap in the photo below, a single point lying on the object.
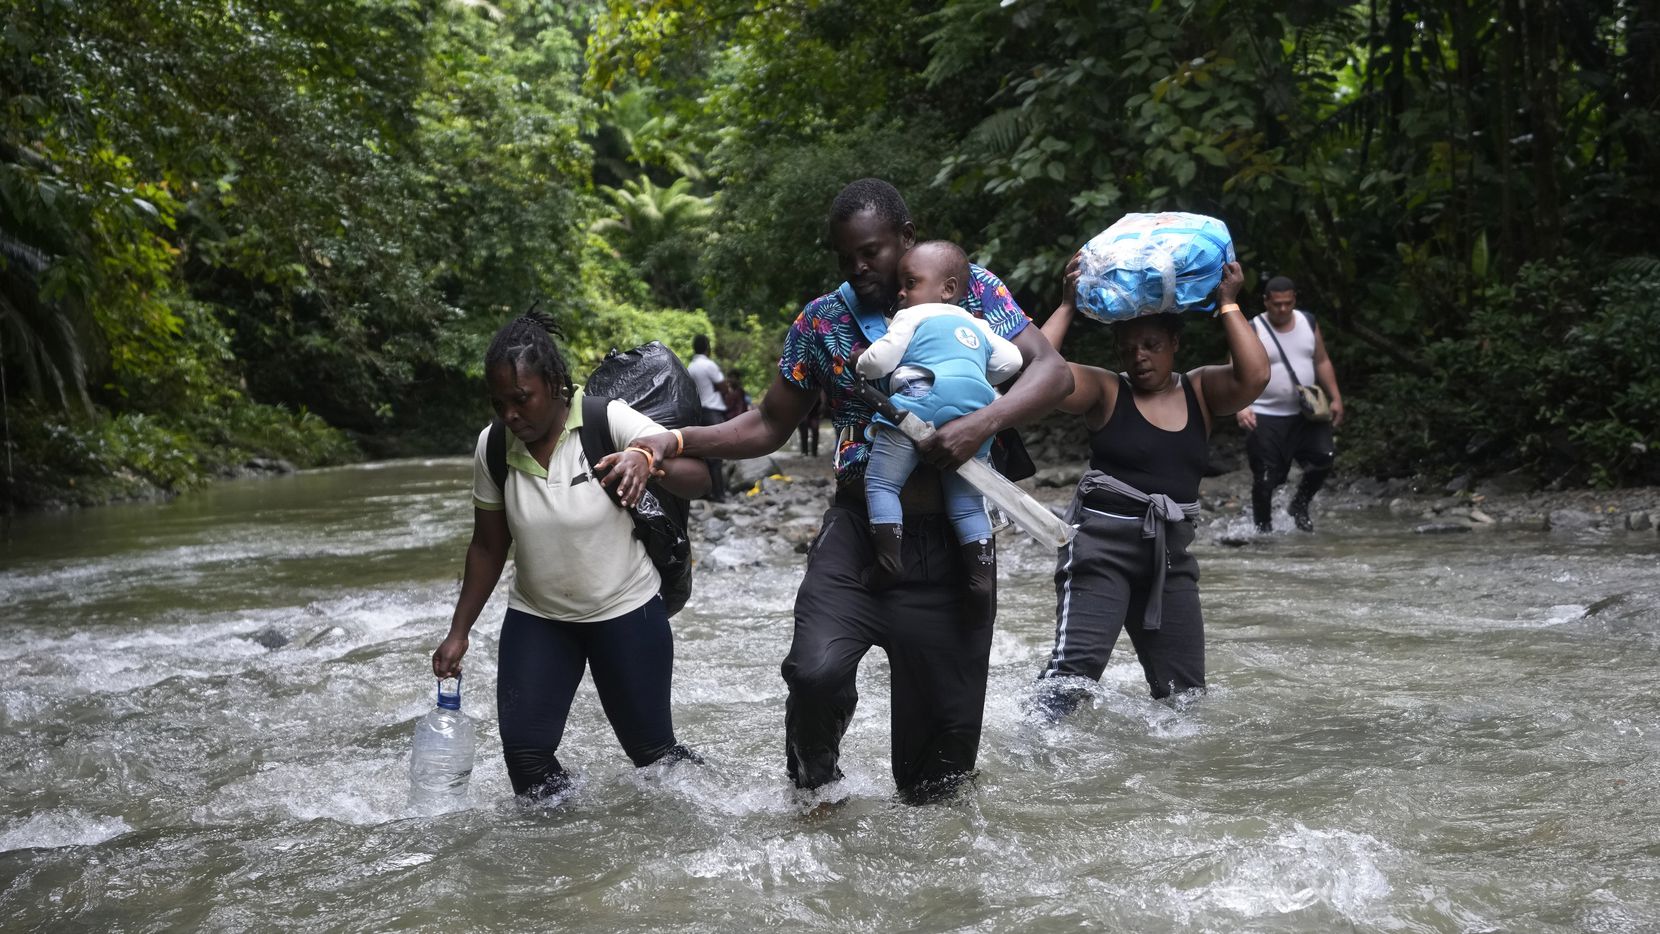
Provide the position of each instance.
(495, 455)
(595, 433)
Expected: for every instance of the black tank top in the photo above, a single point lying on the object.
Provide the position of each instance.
(1146, 456)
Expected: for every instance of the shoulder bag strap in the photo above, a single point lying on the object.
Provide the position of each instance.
(1289, 369)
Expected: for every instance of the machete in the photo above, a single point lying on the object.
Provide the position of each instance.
(1033, 517)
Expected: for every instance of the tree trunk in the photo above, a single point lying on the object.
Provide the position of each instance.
(1543, 64)
(1511, 245)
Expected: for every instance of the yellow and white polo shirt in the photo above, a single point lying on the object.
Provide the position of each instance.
(576, 556)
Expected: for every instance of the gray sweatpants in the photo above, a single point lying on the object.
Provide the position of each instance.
(1101, 586)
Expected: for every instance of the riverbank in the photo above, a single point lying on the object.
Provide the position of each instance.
(58, 462)
(145, 462)
(782, 496)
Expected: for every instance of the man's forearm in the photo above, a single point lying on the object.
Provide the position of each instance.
(748, 435)
(755, 433)
(1042, 385)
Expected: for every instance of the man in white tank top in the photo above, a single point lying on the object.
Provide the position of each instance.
(711, 388)
(1276, 431)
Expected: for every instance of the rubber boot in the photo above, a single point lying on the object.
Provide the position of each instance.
(1262, 506)
(980, 576)
(1055, 702)
(679, 752)
(1307, 486)
(1299, 514)
(888, 540)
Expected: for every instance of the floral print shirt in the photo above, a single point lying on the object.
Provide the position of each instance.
(825, 337)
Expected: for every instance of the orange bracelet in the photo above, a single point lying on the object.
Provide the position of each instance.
(651, 459)
(679, 441)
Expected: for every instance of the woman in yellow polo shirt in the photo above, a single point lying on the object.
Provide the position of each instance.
(585, 592)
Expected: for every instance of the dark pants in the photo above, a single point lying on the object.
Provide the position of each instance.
(717, 476)
(1102, 581)
(539, 664)
(1272, 446)
(937, 657)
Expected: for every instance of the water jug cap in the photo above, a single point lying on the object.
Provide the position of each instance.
(449, 693)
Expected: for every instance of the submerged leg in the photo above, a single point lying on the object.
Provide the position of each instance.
(832, 634)
(632, 658)
(538, 666)
(1316, 452)
(1092, 596)
(939, 660)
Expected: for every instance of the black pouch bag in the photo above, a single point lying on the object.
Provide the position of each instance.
(1009, 456)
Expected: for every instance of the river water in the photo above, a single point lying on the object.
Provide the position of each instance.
(207, 708)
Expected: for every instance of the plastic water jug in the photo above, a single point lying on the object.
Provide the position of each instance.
(442, 761)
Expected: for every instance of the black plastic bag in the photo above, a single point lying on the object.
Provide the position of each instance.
(652, 381)
(1009, 456)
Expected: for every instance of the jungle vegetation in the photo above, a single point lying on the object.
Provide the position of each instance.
(289, 229)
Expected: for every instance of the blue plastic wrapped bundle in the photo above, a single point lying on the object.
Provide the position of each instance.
(1146, 264)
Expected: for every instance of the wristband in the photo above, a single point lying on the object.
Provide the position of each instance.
(651, 459)
(679, 441)
(1225, 309)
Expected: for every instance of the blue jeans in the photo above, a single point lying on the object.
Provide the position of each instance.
(892, 458)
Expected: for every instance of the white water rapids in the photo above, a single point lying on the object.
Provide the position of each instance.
(207, 707)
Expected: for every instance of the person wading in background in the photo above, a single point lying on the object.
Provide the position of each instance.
(711, 392)
(1277, 433)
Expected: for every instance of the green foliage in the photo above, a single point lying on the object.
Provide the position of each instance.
(768, 252)
(502, 169)
(659, 231)
(636, 134)
(1559, 373)
(1401, 161)
(321, 206)
(85, 267)
(620, 327)
(207, 204)
(747, 350)
(88, 460)
(1572, 374)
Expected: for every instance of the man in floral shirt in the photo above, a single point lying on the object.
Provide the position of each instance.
(939, 655)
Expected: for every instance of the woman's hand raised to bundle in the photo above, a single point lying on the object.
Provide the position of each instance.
(1069, 279)
(1233, 278)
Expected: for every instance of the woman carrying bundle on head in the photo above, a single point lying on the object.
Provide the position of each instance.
(585, 594)
(1129, 566)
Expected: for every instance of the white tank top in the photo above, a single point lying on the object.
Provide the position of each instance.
(1280, 398)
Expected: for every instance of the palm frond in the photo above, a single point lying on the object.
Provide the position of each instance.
(1638, 267)
(1001, 132)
